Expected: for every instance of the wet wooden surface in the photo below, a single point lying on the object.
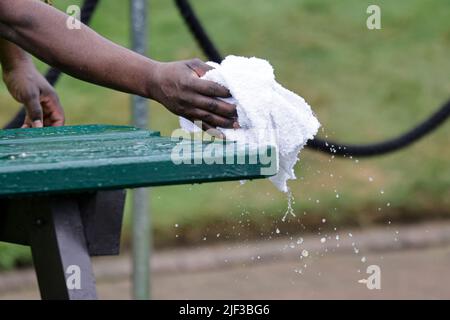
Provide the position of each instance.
(96, 157)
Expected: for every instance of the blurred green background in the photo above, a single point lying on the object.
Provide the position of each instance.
(364, 86)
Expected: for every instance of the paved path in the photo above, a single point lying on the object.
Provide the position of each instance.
(416, 265)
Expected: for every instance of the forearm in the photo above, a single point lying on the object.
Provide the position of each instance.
(12, 56)
(82, 53)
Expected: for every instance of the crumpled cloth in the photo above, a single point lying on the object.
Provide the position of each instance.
(268, 114)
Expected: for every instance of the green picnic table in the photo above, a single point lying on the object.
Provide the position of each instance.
(62, 191)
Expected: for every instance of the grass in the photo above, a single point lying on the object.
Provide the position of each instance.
(364, 86)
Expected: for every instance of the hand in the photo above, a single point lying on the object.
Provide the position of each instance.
(179, 88)
(29, 87)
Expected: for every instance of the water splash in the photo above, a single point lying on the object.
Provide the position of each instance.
(290, 210)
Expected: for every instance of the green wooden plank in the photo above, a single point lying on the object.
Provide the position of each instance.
(80, 158)
(69, 132)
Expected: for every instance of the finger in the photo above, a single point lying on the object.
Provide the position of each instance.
(198, 66)
(209, 88)
(53, 122)
(53, 111)
(37, 124)
(215, 106)
(213, 131)
(57, 123)
(212, 119)
(209, 129)
(26, 122)
(34, 111)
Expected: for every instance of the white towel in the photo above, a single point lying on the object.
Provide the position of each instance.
(267, 113)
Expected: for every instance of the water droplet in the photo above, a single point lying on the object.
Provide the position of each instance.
(382, 191)
(337, 237)
(305, 253)
(363, 259)
(277, 231)
(300, 241)
(350, 235)
(218, 235)
(337, 195)
(324, 220)
(323, 240)
(176, 225)
(370, 179)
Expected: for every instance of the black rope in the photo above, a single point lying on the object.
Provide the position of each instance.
(53, 74)
(327, 146)
(402, 141)
(199, 32)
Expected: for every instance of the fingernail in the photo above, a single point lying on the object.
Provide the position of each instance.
(37, 124)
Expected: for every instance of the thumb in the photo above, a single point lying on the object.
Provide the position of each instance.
(34, 111)
(198, 66)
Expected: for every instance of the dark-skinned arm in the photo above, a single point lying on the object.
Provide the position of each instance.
(84, 54)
